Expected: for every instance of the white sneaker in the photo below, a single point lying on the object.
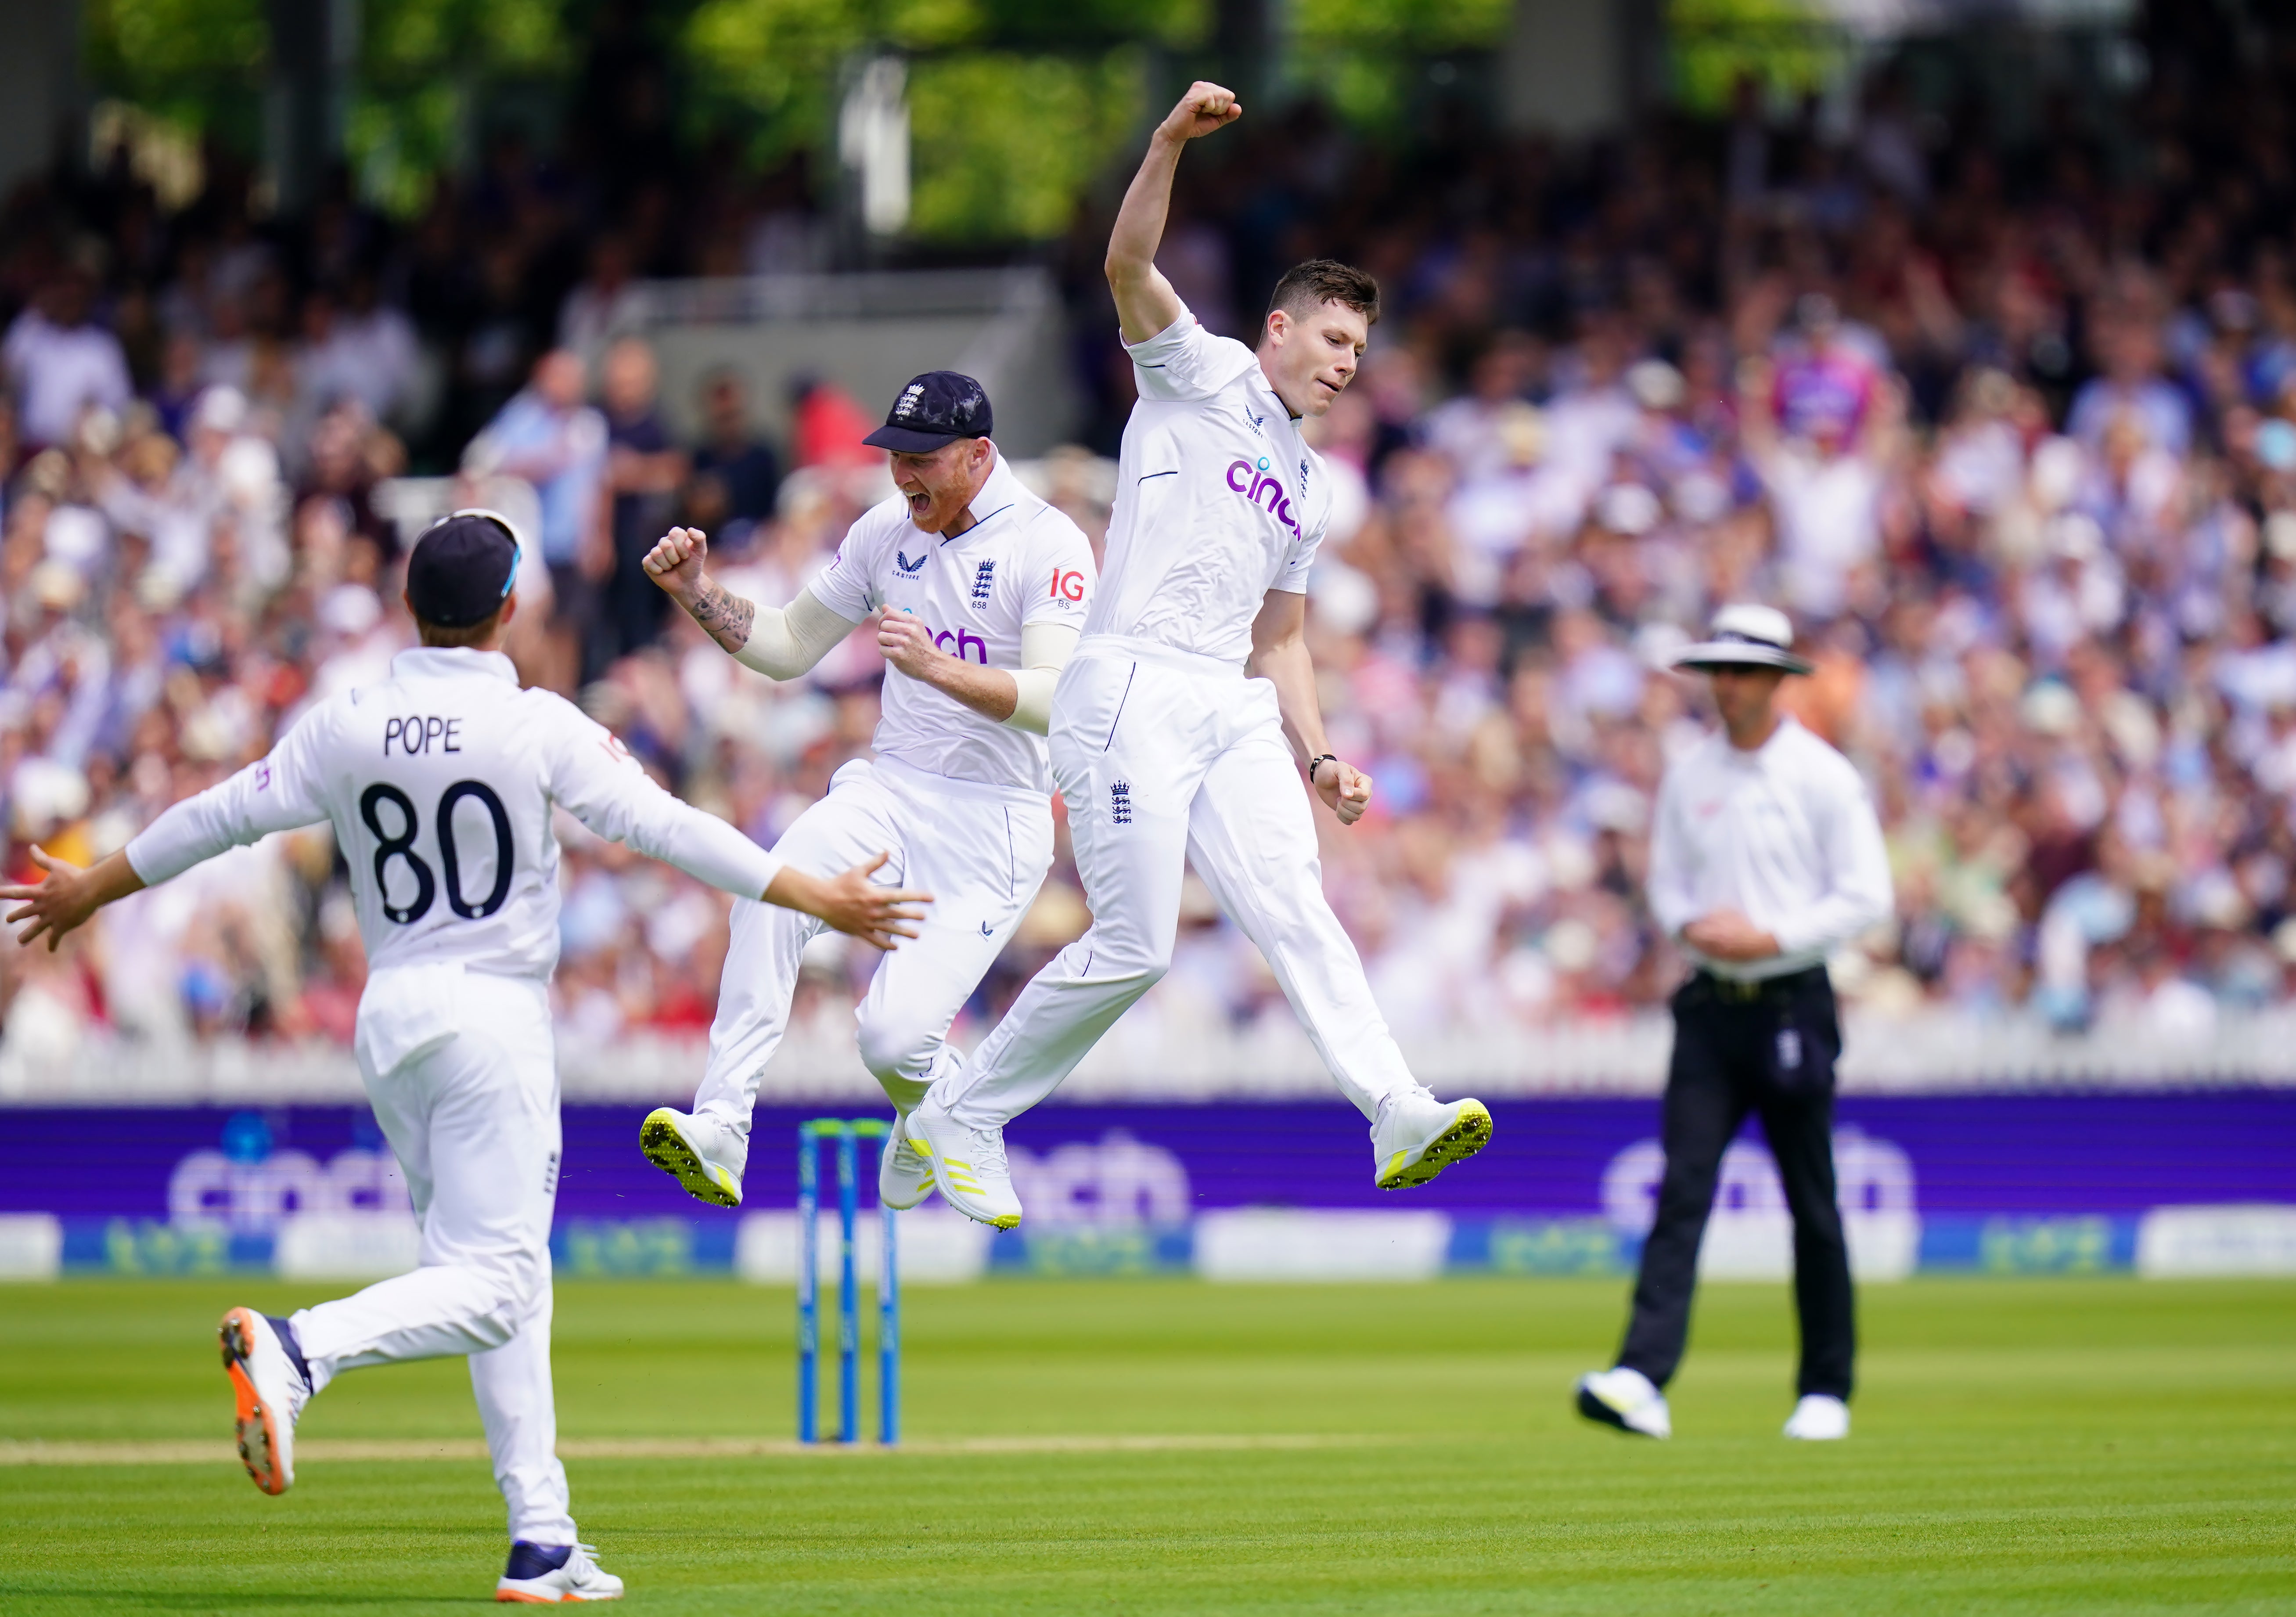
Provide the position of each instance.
(1819, 1418)
(699, 1152)
(544, 1575)
(271, 1385)
(968, 1164)
(1417, 1137)
(1625, 1399)
(905, 1175)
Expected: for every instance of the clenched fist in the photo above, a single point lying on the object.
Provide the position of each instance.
(906, 642)
(675, 562)
(1206, 107)
(1345, 788)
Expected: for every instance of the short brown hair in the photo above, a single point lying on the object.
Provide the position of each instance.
(1321, 280)
(438, 634)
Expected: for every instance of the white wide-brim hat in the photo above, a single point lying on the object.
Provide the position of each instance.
(1745, 637)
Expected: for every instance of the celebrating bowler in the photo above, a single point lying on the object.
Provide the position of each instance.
(1178, 732)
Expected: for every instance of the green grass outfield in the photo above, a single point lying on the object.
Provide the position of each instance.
(2053, 1445)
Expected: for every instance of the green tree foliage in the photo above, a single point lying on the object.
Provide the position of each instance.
(1364, 55)
(1785, 45)
(1015, 104)
(195, 63)
(1005, 144)
(421, 63)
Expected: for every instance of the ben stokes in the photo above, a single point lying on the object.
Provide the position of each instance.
(975, 627)
(439, 783)
(1179, 729)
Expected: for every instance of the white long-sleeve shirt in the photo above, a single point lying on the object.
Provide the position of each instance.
(1217, 499)
(439, 784)
(1785, 834)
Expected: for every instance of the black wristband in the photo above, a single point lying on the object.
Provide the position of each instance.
(1317, 762)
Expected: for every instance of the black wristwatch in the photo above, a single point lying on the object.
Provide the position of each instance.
(1317, 762)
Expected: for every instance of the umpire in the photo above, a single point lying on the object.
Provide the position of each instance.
(1765, 855)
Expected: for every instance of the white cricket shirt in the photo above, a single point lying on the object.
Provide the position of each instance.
(439, 783)
(1217, 499)
(1786, 835)
(1021, 562)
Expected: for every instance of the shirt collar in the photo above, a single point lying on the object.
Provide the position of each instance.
(1786, 722)
(997, 496)
(1277, 409)
(452, 662)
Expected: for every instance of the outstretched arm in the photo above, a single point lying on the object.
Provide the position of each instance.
(67, 895)
(1146, 302)
(593, 778)
(780, 643)
(1279, 655)
(275, 793)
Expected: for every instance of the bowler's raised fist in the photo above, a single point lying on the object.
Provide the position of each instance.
(1206, 107)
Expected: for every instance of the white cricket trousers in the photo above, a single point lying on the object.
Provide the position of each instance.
(462, 1072)
(981, 850)
(1167, 758)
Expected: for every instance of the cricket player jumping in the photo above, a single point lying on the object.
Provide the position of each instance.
(439, 783)
(1178, 730)
(976, 627)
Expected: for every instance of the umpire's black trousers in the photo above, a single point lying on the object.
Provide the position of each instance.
(1769, 1049)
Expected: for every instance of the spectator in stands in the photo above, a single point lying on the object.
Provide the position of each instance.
(61, 361)
(731, 452)
(643, 472)
(549, 436)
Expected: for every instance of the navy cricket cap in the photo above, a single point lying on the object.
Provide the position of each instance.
(936, 408)
(462, 568)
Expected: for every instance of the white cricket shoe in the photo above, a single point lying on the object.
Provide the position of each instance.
(905, 1175)
(698, 1151)
(544, 1575)
(1625, 1399)
(271, 1385)
(1417, 1137)
(1820, 1417)
(969, 1163)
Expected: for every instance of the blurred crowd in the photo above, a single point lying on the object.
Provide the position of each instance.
(2009, 428)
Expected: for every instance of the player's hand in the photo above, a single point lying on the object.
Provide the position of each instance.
(880, 916)
(1345, 788)
(1206, 107)
(65, 898)
(675, 562)
(906, 642)
(1728, 935)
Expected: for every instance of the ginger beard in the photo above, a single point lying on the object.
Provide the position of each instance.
(1309, 356)
(939, 484)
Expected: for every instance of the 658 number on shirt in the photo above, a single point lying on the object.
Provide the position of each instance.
(399, 844)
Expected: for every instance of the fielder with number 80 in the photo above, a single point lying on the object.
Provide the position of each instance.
(440, 783)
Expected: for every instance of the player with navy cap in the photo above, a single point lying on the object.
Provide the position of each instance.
(439, 783)
(975, 589)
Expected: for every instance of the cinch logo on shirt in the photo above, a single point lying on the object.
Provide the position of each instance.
(1252, 481)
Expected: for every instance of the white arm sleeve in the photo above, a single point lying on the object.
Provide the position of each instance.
(785, 642)
(1673, 899)
(594, 778)
(275, 794)
(1045, 649)
(1860, 893)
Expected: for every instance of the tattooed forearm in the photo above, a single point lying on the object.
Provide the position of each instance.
(726, 617)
